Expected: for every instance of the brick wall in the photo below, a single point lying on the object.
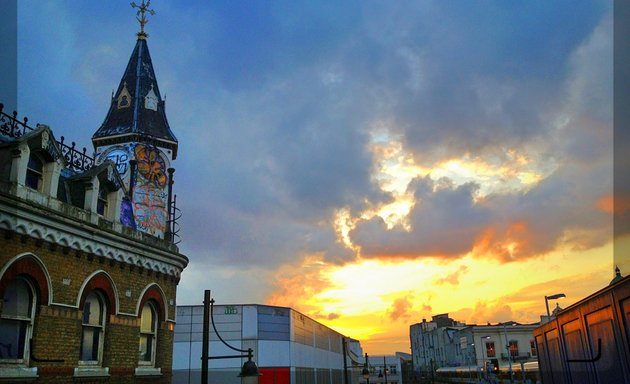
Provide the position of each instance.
(57, 328)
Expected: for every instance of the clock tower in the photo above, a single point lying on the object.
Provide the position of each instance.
(137, 138)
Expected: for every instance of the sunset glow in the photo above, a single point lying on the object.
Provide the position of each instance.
(460, 163)
(375, 299)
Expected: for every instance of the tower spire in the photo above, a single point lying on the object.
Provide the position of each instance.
(142, 9)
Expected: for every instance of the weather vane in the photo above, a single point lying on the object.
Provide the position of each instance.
(142, 9)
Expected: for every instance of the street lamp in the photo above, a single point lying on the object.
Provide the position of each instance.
(470, 355)
(483, 360)
(509, 352)
(249, 368)
(380, 375)
(552, 297)
(366, 371)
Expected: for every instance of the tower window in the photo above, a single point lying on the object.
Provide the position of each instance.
(34, 172)
(16, 321)
(94, 312)
(148, 334)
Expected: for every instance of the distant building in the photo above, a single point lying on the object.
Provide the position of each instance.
(289, 347)
(444, 342)
(385, 369)
(89, 266)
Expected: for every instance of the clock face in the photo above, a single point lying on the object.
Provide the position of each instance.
(120, 157)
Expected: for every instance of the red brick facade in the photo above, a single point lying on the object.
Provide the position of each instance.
(56, 330)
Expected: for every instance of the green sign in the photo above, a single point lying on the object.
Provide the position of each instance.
(231, 310)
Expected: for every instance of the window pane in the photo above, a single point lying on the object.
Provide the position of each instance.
(17, 299)
(490, 349)
(146, 347)
(12, 338)
(92, 310)
(147, 319)
(35, 164)
(90, 343)
(32, 180)
(34, 172)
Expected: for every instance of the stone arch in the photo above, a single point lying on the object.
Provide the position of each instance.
(31, 266)
(100, 280)
(156, 294)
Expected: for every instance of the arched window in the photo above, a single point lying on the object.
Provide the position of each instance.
(148, 334)
(94, 312)
(16, 321)
(35, 172)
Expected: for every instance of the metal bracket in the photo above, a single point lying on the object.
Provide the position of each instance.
(594, 359)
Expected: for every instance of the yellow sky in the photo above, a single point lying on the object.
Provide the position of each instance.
(376, 299)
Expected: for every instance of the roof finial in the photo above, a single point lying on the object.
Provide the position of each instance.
(142, 9)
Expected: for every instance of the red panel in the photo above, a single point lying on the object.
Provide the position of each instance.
(276, 375)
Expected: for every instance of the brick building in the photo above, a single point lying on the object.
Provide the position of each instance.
(89, 264)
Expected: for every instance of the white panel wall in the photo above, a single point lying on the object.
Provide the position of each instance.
(250, 322)
(274, 354)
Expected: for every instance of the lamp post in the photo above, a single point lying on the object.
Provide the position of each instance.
(509, 352)
(470, 356)
(366, 371)
(380, 375)
(249, 368)
(483, 360)
(552, 297)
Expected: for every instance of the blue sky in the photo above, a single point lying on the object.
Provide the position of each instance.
(482, 128)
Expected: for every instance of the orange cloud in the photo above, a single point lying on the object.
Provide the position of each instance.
(453, 278)
(293, 288)
(615, 204)
(506, 246)
(400, 308)
(484, 313)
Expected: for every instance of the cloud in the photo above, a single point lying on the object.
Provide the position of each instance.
(400, 308)
(333, 316)
(294, 289)
(275, 109)
(452, 278)
(484, 313)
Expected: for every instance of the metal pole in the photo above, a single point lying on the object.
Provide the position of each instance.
(547, 306)
(345, 362)
(206, 336)
(385, 369)
(367, 364)
(509, 353)
(483, 360)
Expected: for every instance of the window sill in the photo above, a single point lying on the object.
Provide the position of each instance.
(91, 372)
(17, 373)
(148, 371)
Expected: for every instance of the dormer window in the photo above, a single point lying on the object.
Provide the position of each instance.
(124, 99)
(35, 172)
(101, 203)
(151, 100)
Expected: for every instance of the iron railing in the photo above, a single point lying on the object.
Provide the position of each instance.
(76, 160)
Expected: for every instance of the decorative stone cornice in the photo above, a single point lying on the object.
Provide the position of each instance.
(73, 228)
